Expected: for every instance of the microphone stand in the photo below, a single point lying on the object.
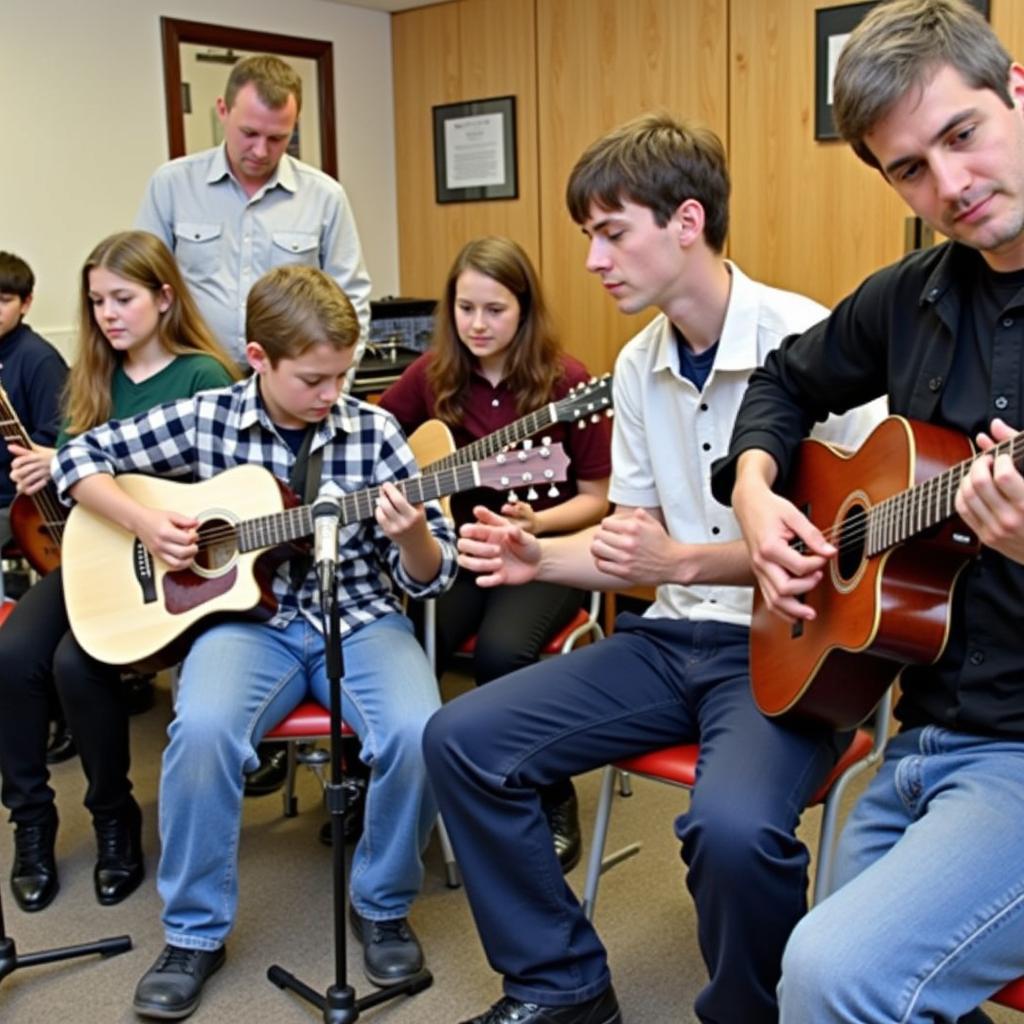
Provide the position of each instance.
(340, 1005)
(11, 959)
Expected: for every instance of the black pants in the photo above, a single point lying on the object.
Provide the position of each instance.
(512, 625)
(37, 650)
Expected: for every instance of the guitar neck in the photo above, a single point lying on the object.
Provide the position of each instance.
(506, 437)
(295, 523)
(919, 508)
(51, 512)
(10, 425)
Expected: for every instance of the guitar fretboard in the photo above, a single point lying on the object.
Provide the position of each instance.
(927, 504)
(49, 506)
(507, 436)
(293, 523)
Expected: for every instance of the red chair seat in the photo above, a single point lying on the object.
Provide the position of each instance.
(1012, 995)
(678, 764)
(5, 609)
(553, 646)
(309, 720)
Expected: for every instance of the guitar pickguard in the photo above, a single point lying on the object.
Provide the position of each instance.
(185, 590)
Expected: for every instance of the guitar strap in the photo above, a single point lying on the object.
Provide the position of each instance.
(304, 480)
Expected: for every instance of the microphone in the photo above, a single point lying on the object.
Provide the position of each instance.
(326, 514)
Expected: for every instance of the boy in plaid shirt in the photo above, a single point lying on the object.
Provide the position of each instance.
(241, 677)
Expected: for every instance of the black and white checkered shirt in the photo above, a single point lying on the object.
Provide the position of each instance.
(196, 438)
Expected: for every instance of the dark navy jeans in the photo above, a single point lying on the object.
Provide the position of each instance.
(653, 683)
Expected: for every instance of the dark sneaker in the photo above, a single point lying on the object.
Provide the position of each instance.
(34, 871)
(391, 951)
(602, 1009)
(172, 987)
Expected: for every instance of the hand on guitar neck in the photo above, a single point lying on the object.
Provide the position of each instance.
(990, 499)
(787, 551)
(30, 467)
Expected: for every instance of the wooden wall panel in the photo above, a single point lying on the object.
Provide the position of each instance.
(1007, 17)
(471, 49)
(806, 215)
(599, 63)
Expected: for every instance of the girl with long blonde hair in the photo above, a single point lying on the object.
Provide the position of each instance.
(141, 342)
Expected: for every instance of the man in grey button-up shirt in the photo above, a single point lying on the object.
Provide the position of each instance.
(231, 213)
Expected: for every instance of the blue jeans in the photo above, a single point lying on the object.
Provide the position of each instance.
(239, 680)
(654, 682)
(929, 919)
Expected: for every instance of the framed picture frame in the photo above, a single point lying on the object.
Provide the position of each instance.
(475, 150)
(831, 27)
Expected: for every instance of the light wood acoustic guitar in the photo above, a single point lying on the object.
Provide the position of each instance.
(37, 520)
(586, 403)
(884, 600)
(126, 606)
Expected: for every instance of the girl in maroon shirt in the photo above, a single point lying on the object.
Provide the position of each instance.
(494, 359)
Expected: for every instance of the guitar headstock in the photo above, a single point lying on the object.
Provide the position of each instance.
(586, 403)
(524, 467)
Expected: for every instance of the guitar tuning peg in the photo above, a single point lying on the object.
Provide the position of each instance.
(582, 424)
(546, 441)
(531, 495)
(527, 444)
(512, 498)
(552, 491)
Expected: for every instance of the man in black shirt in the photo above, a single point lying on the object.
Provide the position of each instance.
(929, 917)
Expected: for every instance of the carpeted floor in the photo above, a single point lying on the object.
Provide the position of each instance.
(644, 915)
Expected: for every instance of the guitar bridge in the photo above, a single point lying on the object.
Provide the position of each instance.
(144, 574)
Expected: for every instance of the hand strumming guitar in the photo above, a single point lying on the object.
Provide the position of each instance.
(770, 523)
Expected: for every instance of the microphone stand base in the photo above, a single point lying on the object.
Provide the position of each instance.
(340, 1005)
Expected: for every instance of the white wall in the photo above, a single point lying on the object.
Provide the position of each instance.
(83, 125)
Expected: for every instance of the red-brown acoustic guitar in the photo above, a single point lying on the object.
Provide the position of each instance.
(885, 597)
(37, 520)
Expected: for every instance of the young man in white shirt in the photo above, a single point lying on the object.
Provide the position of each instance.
(652, 198)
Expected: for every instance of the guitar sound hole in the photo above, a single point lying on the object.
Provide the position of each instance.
(217, 545)
(851, 542)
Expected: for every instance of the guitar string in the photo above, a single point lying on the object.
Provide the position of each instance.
(890, 514)
(45, 499)
(439, 480)
(230, 531)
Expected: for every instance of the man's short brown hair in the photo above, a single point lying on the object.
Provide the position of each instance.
(898, 48)
(274, 80)
(659, 163)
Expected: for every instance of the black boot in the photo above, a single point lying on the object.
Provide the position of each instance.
(34, 872)
(119, 864)
(564, 819)
(61, 746)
